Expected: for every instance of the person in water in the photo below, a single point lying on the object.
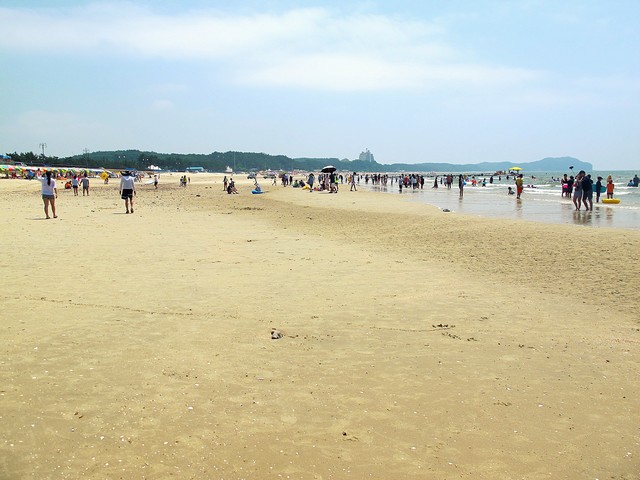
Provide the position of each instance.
(598, 189)
(519, 185)
(610, 187)
(587, 192)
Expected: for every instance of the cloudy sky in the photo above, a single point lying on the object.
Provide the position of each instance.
(414, 81)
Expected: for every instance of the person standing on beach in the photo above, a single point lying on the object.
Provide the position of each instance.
(352, 181)
(128, 190)
(49, 194)
(74, 184)
(460, 185)
(310, 179)
(85, 184)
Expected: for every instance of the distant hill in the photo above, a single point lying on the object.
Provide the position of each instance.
(549, 164)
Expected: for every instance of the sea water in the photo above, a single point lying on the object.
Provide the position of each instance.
(541, 200)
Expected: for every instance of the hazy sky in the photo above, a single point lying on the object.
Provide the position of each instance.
(414, 81)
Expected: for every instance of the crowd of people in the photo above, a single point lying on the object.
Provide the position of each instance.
(579, 189)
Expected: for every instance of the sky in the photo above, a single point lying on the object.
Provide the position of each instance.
(412, 81)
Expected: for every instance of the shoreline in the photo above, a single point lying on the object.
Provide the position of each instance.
(489, 204)
(417, 344)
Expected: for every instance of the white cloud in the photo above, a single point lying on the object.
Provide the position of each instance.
(354, 72)
(313, 48)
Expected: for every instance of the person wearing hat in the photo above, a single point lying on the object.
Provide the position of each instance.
(127, 190)
(598, 189)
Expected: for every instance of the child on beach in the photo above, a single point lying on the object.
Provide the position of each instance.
(85, 184)
(610, 186)
(74, 184)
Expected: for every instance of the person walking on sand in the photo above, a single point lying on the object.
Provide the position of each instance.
(225, 183)
(85, 184)
(49, 194)
(128, 190)
(353, 182)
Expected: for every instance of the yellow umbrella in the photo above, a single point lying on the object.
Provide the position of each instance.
(515, 168)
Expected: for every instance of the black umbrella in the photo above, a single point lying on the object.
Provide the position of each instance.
(329, 169)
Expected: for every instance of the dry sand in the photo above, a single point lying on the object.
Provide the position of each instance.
(417, 344)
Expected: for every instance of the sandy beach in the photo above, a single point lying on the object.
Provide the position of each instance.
(417, 344)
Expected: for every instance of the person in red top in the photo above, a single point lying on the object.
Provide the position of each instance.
(609, 187)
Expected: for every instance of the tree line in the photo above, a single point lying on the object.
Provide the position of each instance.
(215, 162)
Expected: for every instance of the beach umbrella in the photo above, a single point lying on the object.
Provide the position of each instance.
(517, 169)
(329, 169)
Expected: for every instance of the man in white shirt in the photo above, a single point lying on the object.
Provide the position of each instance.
(127, 190)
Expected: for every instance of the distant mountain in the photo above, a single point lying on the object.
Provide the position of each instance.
(560, 164)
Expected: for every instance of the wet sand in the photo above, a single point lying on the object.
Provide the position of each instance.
(417, 343)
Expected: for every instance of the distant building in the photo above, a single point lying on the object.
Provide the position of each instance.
(366, 156)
